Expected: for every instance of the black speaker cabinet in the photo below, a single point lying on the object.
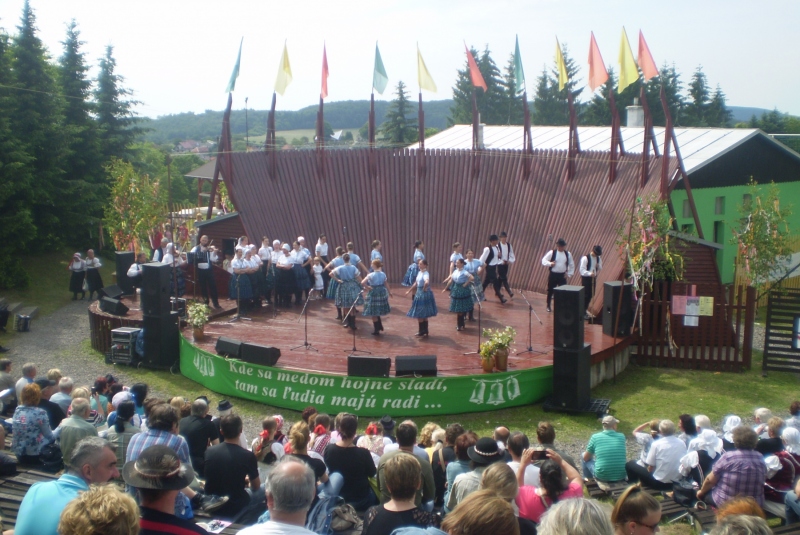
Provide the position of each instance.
(229, 246)
(610, 304)
(415, 365)
(568, 317)
(258, 354)
(572, 377)
(368, 366)
(155, 289)
(113, 291)
(161, 341)
(113, 306)
(124, 260)
(229, 347)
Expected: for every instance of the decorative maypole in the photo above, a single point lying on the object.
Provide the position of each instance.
(527, 141)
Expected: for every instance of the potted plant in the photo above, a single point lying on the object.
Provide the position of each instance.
(494, 352)
(197, 314)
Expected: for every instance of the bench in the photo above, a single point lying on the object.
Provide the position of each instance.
(29, 312)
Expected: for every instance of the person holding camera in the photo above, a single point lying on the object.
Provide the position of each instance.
(533, 501)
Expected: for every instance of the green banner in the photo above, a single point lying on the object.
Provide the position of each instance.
(365, 396)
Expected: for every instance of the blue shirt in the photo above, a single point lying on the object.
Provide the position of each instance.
(375, 255)
(337, 262)
(473, 265)
(354, 258)
(376, 278)
(418, 255)
(456, 256)
(460, 276)
(346, 272)
(422, 278)
(40, 510)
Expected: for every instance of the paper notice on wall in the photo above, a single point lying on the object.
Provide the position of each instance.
(706, 306)
(679, 305)
(691, 321)
(692, 306)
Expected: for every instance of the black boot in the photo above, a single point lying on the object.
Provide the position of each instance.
(351, 321)
(472, 314)
(421, 331)
(338, 313)
(75, 296)
(426, 327)
(376, 327)
(380, 323)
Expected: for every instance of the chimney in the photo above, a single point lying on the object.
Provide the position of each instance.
(635, 114)
(480, 136)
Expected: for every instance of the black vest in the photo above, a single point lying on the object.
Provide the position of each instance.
(553, 259)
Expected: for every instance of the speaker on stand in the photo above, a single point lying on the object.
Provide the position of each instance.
(124, 260)
(612, 303)
(161, 331)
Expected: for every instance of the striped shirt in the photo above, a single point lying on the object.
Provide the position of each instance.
(154, 437)
(739, 472)
(608, 448)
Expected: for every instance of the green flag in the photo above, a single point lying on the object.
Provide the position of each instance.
(519, 73)
(235, 73)
(379, 78)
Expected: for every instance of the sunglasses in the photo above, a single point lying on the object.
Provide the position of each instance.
(652, 527)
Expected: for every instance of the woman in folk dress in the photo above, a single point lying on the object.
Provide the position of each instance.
(77, 268)
(475, 268)
(93, 280)
(424, 304)
(330, 266)
(348, 291)
(460, 283)
(411, 275)
(377, 301)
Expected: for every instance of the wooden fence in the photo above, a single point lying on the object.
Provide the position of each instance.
(783, 309)
(720, 342)
(790, 282)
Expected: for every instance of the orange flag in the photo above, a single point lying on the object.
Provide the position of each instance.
(597, 68)
(474, 71)
(645, 59)
(324, 92)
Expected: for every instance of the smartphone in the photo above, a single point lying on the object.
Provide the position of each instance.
(94, 391)
(539, 454)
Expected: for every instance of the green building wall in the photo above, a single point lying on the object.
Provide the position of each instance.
(718, 217)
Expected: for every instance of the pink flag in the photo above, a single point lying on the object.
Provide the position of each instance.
(645, 59)
(597, 68)
(474, 71)
(324, 92)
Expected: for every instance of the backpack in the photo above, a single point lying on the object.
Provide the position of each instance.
(51, 458)
(320, 516)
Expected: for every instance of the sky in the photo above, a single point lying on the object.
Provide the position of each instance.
(177, 55)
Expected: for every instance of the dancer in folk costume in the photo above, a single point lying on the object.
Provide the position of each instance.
(348, 290)
(475, 268)
(93, 280)
(413, 270)
(375, 254)
(301, 260)
(285, 284)
(460, 284)
(333, 264)
(355, 260)
(424, 304)
(377, 301)
(77, 268)
(455, 256)
(319, 284)
(239, 286)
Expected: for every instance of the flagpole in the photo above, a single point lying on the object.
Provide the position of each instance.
(421, 122)
(527, 141)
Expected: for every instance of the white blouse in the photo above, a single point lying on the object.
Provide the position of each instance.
(77, 265)
(93, 263)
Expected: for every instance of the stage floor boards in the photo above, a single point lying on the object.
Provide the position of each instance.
(334, 343)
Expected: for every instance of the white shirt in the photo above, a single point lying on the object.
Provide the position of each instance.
(322, 249)
(284, 260)
(169, 260)
(645, 440)
(531, 473)
(299, 257)
(93, 263)
(265, 253)
(561, 262)
(508, 252)
(495, 260)
(665, 454)
(212, 256)
(77, 265)
(135, 270)
(275, 528)
(597, 265)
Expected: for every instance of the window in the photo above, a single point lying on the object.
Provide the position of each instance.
(719, 231)
(746, 200)
(719, 205)
(687, 210)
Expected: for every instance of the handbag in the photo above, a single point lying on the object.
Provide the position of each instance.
(345, 518)
(51, 458)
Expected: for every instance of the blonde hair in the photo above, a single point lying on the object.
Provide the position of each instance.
(426, 435)
(81, 392)
(500, 479)
(403, 475)
(101, 510)
(299, 435)
(576, 516)
(482, 512)
(633, 505)
(775, 425)
(54, 375)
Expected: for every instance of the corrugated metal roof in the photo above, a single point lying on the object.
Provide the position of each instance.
(204, 172)
(698, 146)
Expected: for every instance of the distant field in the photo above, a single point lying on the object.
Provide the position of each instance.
(292, 134)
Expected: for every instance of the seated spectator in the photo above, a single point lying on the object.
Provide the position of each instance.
(426, 435)
(354, 464)
(792, 503)
(437, 443)
(372, 439)
(461, 465)
(322, 433)
(482, 454)
(199, 433)
(442, 458)
(93, 462)
(100, 402)
(773, 443)
(663, 461)
(100, 511)
(53, 410)
(120, 435)
(645, 435)
(28, 375)
(635, 508)
(501, 435)
(406, 439)
(740, 472)
(335, 436)
(96, 417)
(708, 447)
(761, 417)
(741, 525)
(578, 516)
(30, 428)
(267, 450)
(8, 385)
(791, 442)
(158, 476)
(299, 436)
(308, 415)
(224, 408)
(181, 405)
(558, 481)
(118, 398)
(794, 411)
(387, 429)
(688, 428)
(75, 428)
(501, 479)
(604, 458)
(420, 453)
(546, 436)
(729, 424)
(280, 437)
(228, 468)
(703, 422)
(401, 475)
(517, 443)
(139, 393)
(290, 491)
(740, 506)
(482, 512)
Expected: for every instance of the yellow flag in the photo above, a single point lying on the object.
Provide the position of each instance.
(423, 76)
(563, 77)
(284, 77)
(628, 71)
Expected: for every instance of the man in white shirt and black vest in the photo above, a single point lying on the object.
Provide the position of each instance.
(204, 257)
(507, 255)
(590, 265)
(135, 271)
(561, 266)
(492, 259)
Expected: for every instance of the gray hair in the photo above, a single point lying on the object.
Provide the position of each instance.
(28, 368)
(81, 406)
(199, 408)
(88, 451)
(741, 525)
(702, 421)
(65, 384)
(762, 414)
(577, 516)
(666, 428)
(291, 491)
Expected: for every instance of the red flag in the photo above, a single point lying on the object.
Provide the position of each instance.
(645, 59)
(324, 92)
(474, 71)
(597, 68)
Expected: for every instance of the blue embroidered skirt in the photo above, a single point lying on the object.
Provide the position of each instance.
(347, 293)
(301, 277)
(477, 285)
(377, 302)
(332, 285)
(423, 306)
(411, 275)
(245, 288)
(269, 278)
(460, 298)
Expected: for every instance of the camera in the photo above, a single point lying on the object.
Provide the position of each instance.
(539, 454)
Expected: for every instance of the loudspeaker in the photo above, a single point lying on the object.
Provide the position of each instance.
(415, 365)
(258, 354)
(124, 260)
(229, 347)
(113, 291)
(229, 246)
(568, 319)
(572, 377)
(610, 305)
(155, 289)
(161, 341)
(113, 306)
(368, 366)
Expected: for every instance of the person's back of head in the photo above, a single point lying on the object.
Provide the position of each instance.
(307, 413)
(54, 374)
(139, 393)
(348, 425)
(740, 505)
(323, 420)
(576, 516)
(299, 436)
(551, 479)
(230, 426)
(163, 417)
(633, 507)
(29, 369)
(149, 403)
(31, 394)
(88, 452)
(406, 435)
(463, 443)
(481, 512)
(199, 408)
(125, 412)
(517, 443)
(403, 475)
(500, 479)
(666, 428)
(101, 510)
(270, 425)
(702, 421)
(291, 487)
(688, 424)
(81, 407)
(501, 434)
(426, 434)
(775, 426)
(545, 433)
(744, 438)
(452, 432)
(742, 525)
(762, 415)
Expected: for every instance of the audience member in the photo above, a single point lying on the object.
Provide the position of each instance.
(75, 428)
(308, 415)
(794, 411)
(93, 462)
(663, 461)
(729, 424)
(354, 464)
(101, 400)
(482, 454)
(517, 443)
(773, 443)
(28, 375)
(645, 434)
(100, 511)
(267, 450)
(299, 437)
(558, 481)
(120, 435)
(578, 516)
(96, 417)
(372, 440)
(742, 525)
(322, 433)
(501, 479)
(30, 428)
(635, 509)
(224, 408)
(53, 410)
(791, 442)
(402, 477)
(425, 493)
(761, 417)
(740, 506)
(181, 405)
(443, 457)
(546, 436)
(703, 422)
(158, 475)
(741, 472)
(64, 395)
(426, 436)
(200, 433)
(8, 385)
(792, 504)
(461, 465)
(501, 435)
(604, 458)
(147, 406)
(420, 453)
(139, 393)
(482, 512)
(708, 447)
(437, 442)
(387, 429)
(688, 428)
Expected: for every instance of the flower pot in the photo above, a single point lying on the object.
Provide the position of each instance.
(487, 364)
(198, 333)
(501, 359)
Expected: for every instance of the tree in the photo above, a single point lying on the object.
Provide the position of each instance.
(549, 103)
(513, 110)
(491, 103)
(718, 113)
(696, 110)
(397, 129)
(116, 120)
(597, 111)
(670, 79)
(137, 205)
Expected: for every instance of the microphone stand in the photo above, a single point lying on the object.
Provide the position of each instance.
(238, 315)
(351, 322)
(480, 307)
(531, 312)
(305, 343)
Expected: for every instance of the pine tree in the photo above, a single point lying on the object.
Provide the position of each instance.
(718, 113)
(116, 120)
(397, 129)
(550, 104)
(671, 80)
(696, 110)
(512, 104)
(492, 104)
(598, 112)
